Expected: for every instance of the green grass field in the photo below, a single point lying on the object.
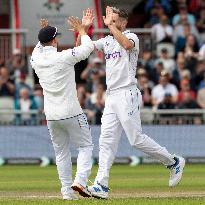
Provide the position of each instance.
(144, 184)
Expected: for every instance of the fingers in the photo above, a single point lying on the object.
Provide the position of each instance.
(109, 15)
(88, 17)
(71, 29)
(109, 10)
(74, 22)
(43, 23)
(43, 20)
(92, 12)
(71, 21)
(88, 12)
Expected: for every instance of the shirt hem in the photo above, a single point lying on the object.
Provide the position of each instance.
(67, 117)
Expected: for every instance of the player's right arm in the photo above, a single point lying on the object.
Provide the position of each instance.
(43, 23)
(97, 44)
(87, 21)
(72, 56)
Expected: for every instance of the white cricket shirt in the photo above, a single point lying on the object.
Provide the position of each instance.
(121, 64)
(56, 74)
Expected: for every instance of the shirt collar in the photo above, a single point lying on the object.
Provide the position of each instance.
(49, 48)
(126, 31)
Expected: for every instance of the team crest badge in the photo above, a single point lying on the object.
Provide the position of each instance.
(53, 4)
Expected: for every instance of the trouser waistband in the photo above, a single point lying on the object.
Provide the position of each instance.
(110, 92)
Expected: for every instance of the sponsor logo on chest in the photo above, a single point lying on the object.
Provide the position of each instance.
(113, 55)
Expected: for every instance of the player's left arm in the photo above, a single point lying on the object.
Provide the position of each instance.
(121, 38)
(72, 56)
(126, 43)
(43, 23)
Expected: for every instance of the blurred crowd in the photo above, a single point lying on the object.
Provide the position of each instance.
(170, 76)
(16, 92)
(174, 76)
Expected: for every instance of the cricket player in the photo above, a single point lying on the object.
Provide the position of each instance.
(122, 104)
(67, 123)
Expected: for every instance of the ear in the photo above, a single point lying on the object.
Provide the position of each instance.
(124, 23)
(55, 42)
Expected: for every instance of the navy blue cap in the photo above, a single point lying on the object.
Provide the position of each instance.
(47, 34)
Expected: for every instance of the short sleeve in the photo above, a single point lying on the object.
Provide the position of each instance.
(99, 44)
(133, 37)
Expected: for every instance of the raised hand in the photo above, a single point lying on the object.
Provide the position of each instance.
(76, 25)
(109, 15)
(88, 18)
(43, 23)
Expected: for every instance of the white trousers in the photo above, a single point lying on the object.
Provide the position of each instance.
(73, 131)
(122, 111)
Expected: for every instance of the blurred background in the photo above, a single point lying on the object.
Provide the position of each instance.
(170, 73)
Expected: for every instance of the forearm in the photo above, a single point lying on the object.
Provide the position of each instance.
(80, 52)
(121, 38)
(82, 32)
(78, 40)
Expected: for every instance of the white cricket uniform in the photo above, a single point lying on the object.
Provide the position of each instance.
(122, 106)
(66, 122)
